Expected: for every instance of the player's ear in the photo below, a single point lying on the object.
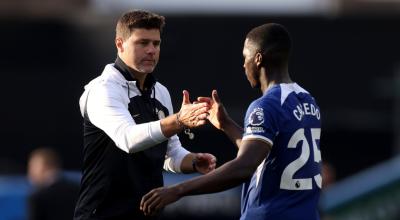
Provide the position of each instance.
(258, 59)
(119, 44)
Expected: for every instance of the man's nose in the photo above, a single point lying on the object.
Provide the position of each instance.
(152, 49)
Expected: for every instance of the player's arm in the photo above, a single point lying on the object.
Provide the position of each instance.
(219, 117)
(233, 131)
(250, 155)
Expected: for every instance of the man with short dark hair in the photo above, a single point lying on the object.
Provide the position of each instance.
(130, 130)
(279, 159)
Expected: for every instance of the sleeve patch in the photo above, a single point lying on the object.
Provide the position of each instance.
(256, 117)
(251, 130)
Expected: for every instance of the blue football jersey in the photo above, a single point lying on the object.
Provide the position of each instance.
(287, 183)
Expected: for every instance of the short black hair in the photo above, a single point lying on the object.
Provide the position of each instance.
(272, 41)
(138, 19)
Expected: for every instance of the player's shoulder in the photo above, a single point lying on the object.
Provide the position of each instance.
(269, 99)
(291, 90)
(276, 96)
(264, 105)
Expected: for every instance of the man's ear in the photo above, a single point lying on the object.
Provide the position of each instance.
(258, 59)
(119, 44)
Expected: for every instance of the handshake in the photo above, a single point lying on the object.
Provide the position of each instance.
(191, 115)
(196, 114)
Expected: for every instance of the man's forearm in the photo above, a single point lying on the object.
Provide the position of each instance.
(170, 125)
(233, 131)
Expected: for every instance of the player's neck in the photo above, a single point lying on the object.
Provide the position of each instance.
(273, 77)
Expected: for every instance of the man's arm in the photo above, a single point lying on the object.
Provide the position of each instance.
(178, 159)
(198, 162)
(106, 110)
(250, 155)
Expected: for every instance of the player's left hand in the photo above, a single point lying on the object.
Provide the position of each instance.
(205, 162)
(154, 201)
(217, 114)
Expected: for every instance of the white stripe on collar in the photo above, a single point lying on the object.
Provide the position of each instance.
(287, 88)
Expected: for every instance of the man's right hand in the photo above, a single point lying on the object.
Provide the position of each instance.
(192, 114)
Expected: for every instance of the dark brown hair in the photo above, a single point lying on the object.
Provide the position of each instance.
(138, 19)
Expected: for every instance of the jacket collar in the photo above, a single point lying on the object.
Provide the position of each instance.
(123, 69)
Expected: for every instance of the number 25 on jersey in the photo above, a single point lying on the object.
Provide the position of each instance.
(287, 180)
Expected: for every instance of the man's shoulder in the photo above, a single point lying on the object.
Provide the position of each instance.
(161, 89)
(160, 86)
(109, 76)
(105, 84)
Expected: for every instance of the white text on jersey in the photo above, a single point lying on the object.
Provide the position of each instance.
(306, 109)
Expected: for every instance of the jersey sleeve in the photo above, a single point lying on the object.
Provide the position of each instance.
(261, 121)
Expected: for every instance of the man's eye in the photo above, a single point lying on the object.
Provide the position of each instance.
(143, 42)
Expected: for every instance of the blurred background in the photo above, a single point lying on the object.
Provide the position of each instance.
(346, 53)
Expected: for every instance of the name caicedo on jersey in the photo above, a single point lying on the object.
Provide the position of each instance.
(256, 120)
(306, 109)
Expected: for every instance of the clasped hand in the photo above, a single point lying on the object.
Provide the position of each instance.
(192, 114)
(204, 108)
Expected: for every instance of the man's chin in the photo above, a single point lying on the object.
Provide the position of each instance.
(147, 70)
